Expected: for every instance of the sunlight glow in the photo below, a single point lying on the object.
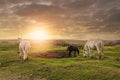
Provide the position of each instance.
(38, 35)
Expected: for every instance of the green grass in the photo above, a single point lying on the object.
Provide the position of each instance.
(75, 68)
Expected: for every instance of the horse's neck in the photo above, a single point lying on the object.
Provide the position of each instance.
(19, 41)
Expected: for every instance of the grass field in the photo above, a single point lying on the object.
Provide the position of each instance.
(74, 68)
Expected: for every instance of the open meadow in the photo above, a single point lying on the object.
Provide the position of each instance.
(59, 39)
(73, 68)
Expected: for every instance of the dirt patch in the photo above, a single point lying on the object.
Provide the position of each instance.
(51, 55)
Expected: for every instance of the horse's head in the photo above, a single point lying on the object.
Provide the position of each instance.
(18, 40)
(85, 53)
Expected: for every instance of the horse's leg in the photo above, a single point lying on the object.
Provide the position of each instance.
(84, 53)
(99, 53)
(25, 55)
(20, 53)
(78, 52)
(74, 53)
(91, 53)
(69, 53)
(102, 53)
(27, 51)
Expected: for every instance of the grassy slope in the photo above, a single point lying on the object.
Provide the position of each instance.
(77, 68)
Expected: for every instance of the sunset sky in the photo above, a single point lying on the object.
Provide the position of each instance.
(60, 19)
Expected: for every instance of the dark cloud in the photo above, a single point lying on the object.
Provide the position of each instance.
(73, 17)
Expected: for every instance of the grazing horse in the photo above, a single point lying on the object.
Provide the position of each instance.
(24, 48)
(72, 48)
(93, 45)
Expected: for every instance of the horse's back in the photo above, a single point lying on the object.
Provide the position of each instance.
(72, 48)
(94, 44)
(24, 44)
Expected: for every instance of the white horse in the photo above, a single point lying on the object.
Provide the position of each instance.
(24, 48)
(93, 45)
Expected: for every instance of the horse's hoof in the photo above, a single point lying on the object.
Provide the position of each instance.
(26, 59)
(19, 57)
(91, 57)
(69, 55)
(99, 57)
(18, 52)
(75, 56)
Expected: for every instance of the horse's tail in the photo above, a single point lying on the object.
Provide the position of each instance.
(67, 49)
(102, 47)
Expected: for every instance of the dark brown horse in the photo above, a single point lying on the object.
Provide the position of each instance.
(71, 49)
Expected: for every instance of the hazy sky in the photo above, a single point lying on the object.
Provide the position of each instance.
(65, 19)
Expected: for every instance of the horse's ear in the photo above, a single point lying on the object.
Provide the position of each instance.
(18, 37)
(18, 41)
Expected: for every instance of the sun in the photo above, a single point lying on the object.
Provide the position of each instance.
(39, 35)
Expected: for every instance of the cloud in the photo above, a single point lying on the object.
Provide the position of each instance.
(73, 17)
(47, 3)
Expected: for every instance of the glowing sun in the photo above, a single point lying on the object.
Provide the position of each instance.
(39, 35)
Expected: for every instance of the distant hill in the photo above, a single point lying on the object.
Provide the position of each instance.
(65, 42)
